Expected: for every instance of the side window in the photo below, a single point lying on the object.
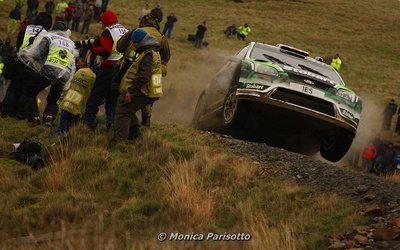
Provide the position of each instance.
(242, 53)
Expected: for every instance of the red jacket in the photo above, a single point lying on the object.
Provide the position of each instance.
(369, 152)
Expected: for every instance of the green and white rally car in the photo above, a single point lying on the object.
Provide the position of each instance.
(282, 96)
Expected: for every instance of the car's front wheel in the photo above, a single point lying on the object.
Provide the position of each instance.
(334, 146)
(234, 113)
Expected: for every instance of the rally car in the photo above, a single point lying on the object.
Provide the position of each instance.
(280, 95)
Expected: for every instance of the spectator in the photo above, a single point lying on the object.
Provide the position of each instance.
(60, 11)
(52, 58)
(140, 86)
(50, 6)
(158, 13)
(151, 25)
(387, 160)
(68, 13)
(15, 17)
(145, 11)
(230, 30)
(32, 11)
(73, 103)
(97, 9)
(13, 105)
(397, 129)
(336, 62)
(169, 25)
(8, 49)
(76, 18)
(104, 6)
(243, 32)
(87, 19)
(201, 30)
(368, 157)
(388, 113)
(104, 46)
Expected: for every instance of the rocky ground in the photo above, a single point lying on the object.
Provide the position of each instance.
(380, 197)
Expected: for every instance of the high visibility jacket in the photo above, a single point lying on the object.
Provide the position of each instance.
(244, 30)
(151, 89)
(160, 39)
(116, 31)
(1, 68)
(60, 9)
(336, 63)
(369, 152)
(30, 31)
(75, 99)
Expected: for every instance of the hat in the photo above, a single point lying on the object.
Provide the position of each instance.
(43, 19)
(108, 18)
(138, 35)
(60, 26)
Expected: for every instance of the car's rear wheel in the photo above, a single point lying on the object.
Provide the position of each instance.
(335, 145)
(234, 113)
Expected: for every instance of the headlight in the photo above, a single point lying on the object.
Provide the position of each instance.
(266, 70)
(348, 95)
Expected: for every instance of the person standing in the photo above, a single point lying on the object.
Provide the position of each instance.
(169, 25)
(50, 6)
(87, 19)
(60, 11)
(368, 157)
(15, 17)
(140, 86)
(52, 57)
(145, 11)
(105, 47)
(336, 62)
(388, 112)
(76, 18)
(387, 160)
(151, 25)
(243, 32)
(201, 30)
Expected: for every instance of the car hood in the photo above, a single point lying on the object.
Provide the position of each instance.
(308, 74)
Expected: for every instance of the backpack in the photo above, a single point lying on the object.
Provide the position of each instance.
(29, 152)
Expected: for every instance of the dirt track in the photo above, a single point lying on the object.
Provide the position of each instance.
(380, 197)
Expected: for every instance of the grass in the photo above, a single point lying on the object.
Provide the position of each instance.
(175, 179)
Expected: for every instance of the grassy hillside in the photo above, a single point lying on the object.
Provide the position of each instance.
(177, 180)
(170, 180)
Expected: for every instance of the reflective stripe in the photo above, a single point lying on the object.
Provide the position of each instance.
(73, 97)
(116, 31)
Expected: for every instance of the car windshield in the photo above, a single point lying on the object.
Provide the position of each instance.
(263, 52)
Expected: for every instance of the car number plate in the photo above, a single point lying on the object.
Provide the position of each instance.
(307, 89)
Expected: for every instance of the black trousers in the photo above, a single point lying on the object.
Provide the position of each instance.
(31, 91)
(13, 103)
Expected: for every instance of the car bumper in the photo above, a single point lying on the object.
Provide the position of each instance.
(319, 109)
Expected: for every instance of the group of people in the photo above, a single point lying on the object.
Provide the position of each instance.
(241, 33)
(379, 158)
(126, 75)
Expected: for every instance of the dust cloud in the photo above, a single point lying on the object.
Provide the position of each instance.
(188, 76)
(368, 129)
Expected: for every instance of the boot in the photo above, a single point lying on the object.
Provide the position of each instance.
(35, 121)
(48, 121)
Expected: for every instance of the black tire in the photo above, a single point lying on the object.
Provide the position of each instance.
(234, 113)
(336, 145)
